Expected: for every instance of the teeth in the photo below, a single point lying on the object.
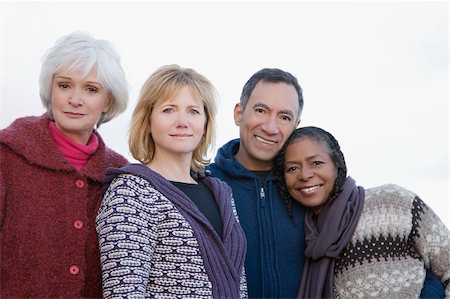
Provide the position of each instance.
(265, 141)
(310, 189)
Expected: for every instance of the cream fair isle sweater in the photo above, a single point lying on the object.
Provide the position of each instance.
(396, 238)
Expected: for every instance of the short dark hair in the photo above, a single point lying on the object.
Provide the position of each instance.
(334, 150)
(272, 75)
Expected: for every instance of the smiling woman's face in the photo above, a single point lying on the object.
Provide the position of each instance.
(309, 173)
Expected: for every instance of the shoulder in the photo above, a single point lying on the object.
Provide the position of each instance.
(111, 157)
(218, 181)
(23, 125)
(390, 193)
(116, 159)
(129, 181)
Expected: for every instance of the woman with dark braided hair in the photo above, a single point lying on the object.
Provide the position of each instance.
(360, 242)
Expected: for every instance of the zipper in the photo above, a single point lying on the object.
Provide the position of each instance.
(262, 195)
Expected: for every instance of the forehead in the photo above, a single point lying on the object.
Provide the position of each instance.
(277, 96)
(180, 95)
(77, 74)
(307, 147)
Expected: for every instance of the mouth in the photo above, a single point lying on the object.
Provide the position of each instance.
(311, 189)
(265, 141)
(73, 114)
(180, 135)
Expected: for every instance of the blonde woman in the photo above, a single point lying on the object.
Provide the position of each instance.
(166, 228)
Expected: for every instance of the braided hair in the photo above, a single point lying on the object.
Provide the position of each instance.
(334, 150)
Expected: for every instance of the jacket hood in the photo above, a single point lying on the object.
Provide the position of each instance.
(227, 163)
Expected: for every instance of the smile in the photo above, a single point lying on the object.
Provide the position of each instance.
(265, 141)
(310, 189)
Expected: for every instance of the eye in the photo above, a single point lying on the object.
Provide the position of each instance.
(92, 90)
(286, 118)
(194, 111)
(168, 110)
(291, 169)
(317, 163)
(63, 85)
(260, 110)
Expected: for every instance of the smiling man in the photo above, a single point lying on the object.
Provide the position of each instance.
(268, 112)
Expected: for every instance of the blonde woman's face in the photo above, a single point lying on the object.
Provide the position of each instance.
(177, 125)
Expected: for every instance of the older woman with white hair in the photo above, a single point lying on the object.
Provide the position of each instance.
(51, 172)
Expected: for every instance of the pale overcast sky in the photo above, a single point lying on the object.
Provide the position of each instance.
(375, 74)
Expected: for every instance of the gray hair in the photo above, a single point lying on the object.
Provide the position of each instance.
(81, 52)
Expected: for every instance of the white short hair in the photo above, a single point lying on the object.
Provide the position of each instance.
(81, 52)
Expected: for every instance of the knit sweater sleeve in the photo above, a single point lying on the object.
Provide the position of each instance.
(2, 200)
(127, 238)
(243, 279)
(432, 240)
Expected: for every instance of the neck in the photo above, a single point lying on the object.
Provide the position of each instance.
(253, 164)
(173, 169)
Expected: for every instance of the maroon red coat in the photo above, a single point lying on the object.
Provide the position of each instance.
(48, 241)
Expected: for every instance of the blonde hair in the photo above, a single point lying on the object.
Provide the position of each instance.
(162, 86)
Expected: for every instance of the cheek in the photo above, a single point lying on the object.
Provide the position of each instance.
(289, 180)
(55, 96)
(287, 131)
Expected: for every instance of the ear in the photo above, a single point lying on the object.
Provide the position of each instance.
(238, 114)
(106, 109)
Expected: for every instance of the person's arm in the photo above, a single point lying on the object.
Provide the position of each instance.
(432, 240)
(243, 279)
(2, 194)
(126, 241)
(432, 287)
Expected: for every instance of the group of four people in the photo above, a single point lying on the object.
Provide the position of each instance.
(275, 215)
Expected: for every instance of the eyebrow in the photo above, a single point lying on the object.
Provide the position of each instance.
(309, 158)
(285, 111)
(169, 104)
(99, 85)
(69, 78)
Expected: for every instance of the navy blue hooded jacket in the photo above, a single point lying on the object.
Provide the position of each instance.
(275, 245)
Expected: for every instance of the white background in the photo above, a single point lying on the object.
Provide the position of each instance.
(375, 74)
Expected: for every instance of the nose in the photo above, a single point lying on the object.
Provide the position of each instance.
(182, 121)
(305, 173)
(76, 98)
(270, 126)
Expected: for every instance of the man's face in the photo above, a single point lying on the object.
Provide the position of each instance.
(271, 115)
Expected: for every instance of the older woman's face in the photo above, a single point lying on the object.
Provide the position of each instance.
(309, 173)
(78, 103)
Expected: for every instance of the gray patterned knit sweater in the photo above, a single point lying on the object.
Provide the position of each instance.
(149, 249)
(397, 236)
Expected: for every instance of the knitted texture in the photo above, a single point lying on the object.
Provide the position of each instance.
(49, 245)
(397, 236)
(148, 248)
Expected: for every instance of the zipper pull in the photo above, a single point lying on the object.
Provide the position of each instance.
(262, 195)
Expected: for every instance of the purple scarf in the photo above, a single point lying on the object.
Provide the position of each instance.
(326, 237)
(223, 259)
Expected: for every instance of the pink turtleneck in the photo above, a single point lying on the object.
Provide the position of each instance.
(77, 154)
